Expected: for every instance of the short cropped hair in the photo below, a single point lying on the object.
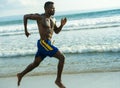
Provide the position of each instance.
(47, 4)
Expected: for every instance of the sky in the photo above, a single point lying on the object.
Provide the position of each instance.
(19, 7)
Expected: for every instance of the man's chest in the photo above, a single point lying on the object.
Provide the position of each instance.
(48, 23)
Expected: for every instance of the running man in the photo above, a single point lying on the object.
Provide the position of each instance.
(46, 26)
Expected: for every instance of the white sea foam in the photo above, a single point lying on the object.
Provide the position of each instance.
(91, 49)
(88, 23)
(65, 49)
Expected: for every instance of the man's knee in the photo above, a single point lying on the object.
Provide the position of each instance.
(62, 58)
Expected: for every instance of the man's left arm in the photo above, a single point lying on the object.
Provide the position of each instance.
(58, 29)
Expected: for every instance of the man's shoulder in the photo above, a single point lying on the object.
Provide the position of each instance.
(39, 15)
(43, 14)
(53, 19)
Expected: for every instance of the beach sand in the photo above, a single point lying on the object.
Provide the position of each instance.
(82, 80)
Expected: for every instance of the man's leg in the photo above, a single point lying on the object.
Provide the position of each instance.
(61, 59)
(29, 68)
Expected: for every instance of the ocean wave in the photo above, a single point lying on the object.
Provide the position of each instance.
(17, 53)
(75, 49)
(12, 22)
(89, 23)
(79, 24)
(91, 48)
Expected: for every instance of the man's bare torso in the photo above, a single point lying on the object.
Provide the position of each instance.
(45, 27)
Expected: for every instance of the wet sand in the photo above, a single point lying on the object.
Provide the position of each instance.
(82, 80)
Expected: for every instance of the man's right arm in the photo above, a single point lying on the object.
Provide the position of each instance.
(31, 17)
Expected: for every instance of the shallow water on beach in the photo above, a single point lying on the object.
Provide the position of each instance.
(74, 63)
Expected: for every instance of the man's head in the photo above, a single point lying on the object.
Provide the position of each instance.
(49, 8)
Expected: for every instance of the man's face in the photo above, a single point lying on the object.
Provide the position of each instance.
(51, 9)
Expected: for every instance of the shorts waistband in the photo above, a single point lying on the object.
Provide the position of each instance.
(46, 44)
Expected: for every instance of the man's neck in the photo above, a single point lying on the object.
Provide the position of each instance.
(47, 15)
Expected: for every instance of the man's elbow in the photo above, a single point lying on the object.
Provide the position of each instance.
(57, 32)
(25, 17)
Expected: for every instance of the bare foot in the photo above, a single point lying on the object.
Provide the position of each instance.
(19, 78)
(59, 84)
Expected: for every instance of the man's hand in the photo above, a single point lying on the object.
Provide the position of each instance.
(27, 34)
(63, 21)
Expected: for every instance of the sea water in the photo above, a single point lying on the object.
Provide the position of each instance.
(90, 42)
